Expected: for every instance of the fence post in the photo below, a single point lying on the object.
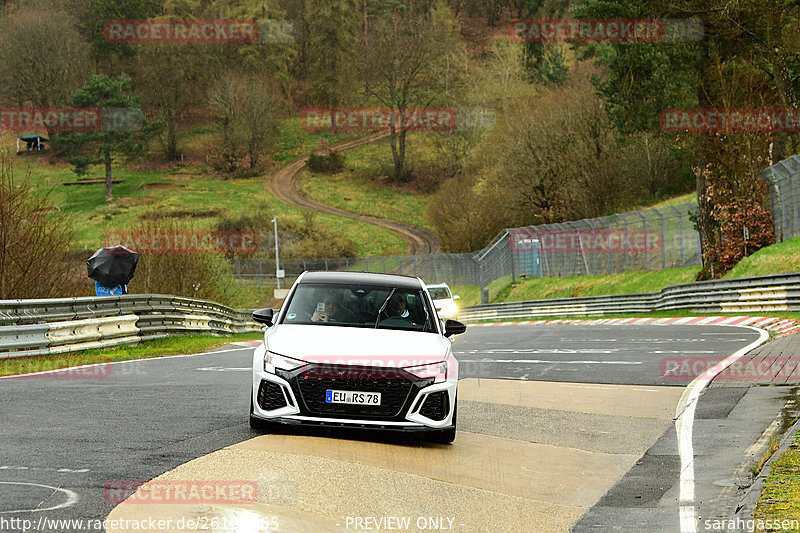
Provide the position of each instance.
(644, 231)
(663, 248)
(484, 295)
(680, 232)
(593, 244)
(239, 267)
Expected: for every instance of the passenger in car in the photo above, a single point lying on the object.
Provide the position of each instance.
(326, 310)
(330, 309)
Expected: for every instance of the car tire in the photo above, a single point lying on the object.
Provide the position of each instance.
(445, 436)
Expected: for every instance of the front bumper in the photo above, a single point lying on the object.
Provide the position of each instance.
(407, 405)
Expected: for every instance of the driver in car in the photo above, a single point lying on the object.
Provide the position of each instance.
(397, 312)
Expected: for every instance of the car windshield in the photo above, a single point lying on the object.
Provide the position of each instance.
(439, 293)
(380, 307)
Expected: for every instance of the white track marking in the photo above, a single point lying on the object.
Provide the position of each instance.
(72, 498)
(539, 361)
(684, 419)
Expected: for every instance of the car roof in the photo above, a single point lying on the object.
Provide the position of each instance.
(437, 285)
(361, 278)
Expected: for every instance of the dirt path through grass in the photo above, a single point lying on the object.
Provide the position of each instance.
(284, 184)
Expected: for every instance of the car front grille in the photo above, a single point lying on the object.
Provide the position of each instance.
(270, 396)
(397, 388)
(436, 406)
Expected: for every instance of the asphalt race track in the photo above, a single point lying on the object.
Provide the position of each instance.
(65, 439)
(619, 354)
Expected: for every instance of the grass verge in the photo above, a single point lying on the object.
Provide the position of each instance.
(775, 259)
(780, 498)
(656, 314)
(172, 345)
(574, 286)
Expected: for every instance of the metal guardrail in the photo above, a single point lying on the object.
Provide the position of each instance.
(758, 294)
(44, 327)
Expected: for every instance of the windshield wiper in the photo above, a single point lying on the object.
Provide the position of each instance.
(385, 303)
(427, 314)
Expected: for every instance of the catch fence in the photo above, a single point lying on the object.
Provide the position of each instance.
(649, 239)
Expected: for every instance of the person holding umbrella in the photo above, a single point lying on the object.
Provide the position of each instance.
(112, 268)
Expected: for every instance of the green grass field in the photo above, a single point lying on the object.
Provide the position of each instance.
(188, 192)
(363, 188)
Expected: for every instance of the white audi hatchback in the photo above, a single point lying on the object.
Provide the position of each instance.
(357, 350)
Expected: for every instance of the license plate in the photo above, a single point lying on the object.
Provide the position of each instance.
(353, 397)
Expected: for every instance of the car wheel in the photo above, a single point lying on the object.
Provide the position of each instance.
(445, 436)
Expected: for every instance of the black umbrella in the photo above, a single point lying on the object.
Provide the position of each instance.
(112, 265)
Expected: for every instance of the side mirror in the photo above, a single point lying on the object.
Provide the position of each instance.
(263, 316)
(456, 297)
(453, 327)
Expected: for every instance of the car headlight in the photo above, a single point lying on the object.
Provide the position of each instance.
(450, 308)
(438, 371)
(281, 361)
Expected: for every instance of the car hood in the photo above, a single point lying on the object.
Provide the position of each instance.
(345, 344)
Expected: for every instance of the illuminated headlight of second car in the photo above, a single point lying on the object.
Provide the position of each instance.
(449, 309)
(280, 362)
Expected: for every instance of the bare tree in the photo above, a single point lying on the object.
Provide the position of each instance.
(411, 61)
(171, 78)
(250, 110)
(33, 241)
(43, 58)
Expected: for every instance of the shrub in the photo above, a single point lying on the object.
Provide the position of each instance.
(34, 242)
(330, 164)
(194, 275)
(299, 239)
